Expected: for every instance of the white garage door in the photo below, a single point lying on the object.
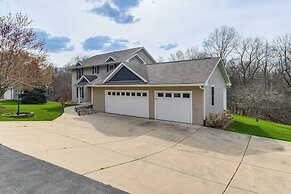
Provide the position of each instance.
(174, 106)
(133, 103)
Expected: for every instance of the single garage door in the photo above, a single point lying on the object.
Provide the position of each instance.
(133, 103)
(173, 106)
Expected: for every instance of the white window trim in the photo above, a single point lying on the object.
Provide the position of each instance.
(136, 55)
(110, 57)
(118, 68)
(173, 91)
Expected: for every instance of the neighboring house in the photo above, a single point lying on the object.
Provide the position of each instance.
(130, 82)
(9, 95)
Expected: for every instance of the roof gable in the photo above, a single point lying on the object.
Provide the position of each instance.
(124, 74)
(110, 59)
(117, 56)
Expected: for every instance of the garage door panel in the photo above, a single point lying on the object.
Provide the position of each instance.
(127, 103)
(174, 107)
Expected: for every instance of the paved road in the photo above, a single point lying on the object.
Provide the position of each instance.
(20, 173)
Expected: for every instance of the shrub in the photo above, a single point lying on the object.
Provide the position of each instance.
(218, 120)
(34, 96)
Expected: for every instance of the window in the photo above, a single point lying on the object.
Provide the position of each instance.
(111, 66)
(127, 93)
(160, 94)
(95, 69)
(118, 93)
(132, 94)
(168, 95)
(138, 94)
(186, 95)
(109, 93)
(177, 95)
(122, 93)
(212, 95)
(144, 94)
(113, 93)
(79, 73)
(77, 92)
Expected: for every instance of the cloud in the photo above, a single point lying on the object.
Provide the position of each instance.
(168, 46)
(54, 44)
(118, 10)
(104, 43)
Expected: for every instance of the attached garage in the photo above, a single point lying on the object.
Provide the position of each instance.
(127, 102)
(173, 106)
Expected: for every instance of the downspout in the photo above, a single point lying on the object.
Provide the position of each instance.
(204, 118)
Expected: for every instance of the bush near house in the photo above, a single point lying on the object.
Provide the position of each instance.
(218, 120)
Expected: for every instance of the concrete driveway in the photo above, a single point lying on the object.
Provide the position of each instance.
(147, 156)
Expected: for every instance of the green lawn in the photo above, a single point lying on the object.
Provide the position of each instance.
(42, 112)
(248, 125)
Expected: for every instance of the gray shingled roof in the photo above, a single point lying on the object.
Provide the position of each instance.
(119, 56)
(178, 72)
(90, 77)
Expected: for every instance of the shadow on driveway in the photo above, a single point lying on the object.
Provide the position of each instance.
(205, 140)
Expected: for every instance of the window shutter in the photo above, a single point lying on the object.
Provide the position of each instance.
(97, 69)
(107, 68)
(115, 65)
(82, 71)
(77, 91)
(77, 73)
(93, 70)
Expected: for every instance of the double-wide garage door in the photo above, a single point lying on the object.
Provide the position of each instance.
(133, 103)
(171, 106)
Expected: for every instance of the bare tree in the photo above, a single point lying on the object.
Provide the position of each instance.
(195, 53)
(221, 42)
(61, 87)
(282, 46)
(177, 56)
(250, 55)
(23, 62)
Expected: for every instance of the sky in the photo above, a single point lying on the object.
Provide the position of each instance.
(89, 27)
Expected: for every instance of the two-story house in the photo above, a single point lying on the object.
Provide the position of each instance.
(130, 82)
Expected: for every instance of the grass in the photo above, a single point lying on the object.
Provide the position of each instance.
(43, 112)
(248, 125)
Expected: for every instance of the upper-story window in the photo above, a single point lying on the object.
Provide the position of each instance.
(95, 69)
(79, 73)
(111, 66)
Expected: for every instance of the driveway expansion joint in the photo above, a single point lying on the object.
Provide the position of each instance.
(241, 161)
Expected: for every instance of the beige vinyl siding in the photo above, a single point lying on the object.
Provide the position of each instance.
(197, 99)
(219, 84)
